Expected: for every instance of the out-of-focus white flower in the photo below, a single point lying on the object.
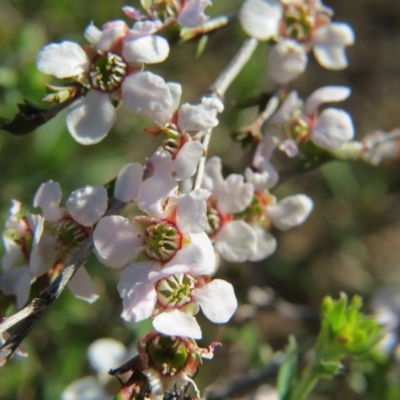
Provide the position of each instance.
(111, 67)
(296, 27)
(192, 14)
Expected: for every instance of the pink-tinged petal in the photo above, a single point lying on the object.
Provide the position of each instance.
(87, 205)
(289, 147)
(324, 95)
(266, 244)
(132, 12)
(160, 162)
(116, 240)
(199, 117)
(81, 286)
(177, 323)
(48, 198)
(213, 178)
(105, 354)
(13, 256)
(191, 214)
(92, 34)
(260, 18)
(217, 301)
(44, 255)
(285, 111)
(90, 118)
(150, 95)
(145, 28)
(136, 273)
(175, 90)
(111, 34)
(332, 129)
(85, 389)
(64, 60)
(16, 282)
(291, 211)
(287, 60)
(235, 241)
(148, 49)
(128, 182)
(329, 45)
(192, 13)
(234, 195)
(187, 160)
(154, 191)
(262, 158)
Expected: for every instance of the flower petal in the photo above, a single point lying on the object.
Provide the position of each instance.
(90, 118)
(324, 95)
(217, 301)
(87, 205)
(291, 211)
(105, 354)
(191, 214)
(332, 128)
(213, 178)
(287, 60)
(266, 244)
(235, 241)
(260, 18)
(84, 389)
(128, 182)
(48, 198)
(81, 286)
(116, 240)
(147, 49)
(177, 323)
(63, 60)
(16, 282)
(192, 13)
(187, 160)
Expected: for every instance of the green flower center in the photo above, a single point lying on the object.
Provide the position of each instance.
(298, 22)
(162, 241)
(107, 72)
(167, 354)
(175, 291)
(70, 234)
(214, 221)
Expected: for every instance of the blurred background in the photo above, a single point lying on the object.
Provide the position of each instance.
(350, 243)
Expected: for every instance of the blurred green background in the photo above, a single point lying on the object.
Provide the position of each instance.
(351, 242)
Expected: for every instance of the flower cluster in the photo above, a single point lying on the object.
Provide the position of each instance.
(295, 27)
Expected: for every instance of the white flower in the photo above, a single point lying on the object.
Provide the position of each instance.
(111, 69)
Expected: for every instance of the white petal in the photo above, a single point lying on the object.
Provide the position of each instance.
(84, 389)
(87, 205)
(329, 45)
(285, 111)
(105, 354)
(332, 128)
(324, 95)
(128, 182)
(217, 301)
(234, 195)
(291, 211)
(191, 211)
(16, 282)
(213, 174)
(177, 323)
(200, 116)
(13, 256)
(289, 147)
(44, 255)
(187, 160)
(145, 28)
(235, 241)
(81, 286)
(92, 34)
(48, 198)
(192, 13)
(150, 95)
(260, 18)
(266, 244)
(116, 240)
(258, 179)
(64, 60)
(262, 162)
(111, 34)
(90, 118)
(160, 162)
(146, 49)
(154, 191)
(286, 60)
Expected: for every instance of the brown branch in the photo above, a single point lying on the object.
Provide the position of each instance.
(35, 310)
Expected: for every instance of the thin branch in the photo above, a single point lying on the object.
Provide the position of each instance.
(218, 89)
(39, 306)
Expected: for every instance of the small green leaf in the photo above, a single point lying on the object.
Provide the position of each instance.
(288, 370)
(201, 46)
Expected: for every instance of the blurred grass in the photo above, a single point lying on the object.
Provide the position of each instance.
(350, 242)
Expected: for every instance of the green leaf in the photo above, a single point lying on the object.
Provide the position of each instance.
(201, 46)
(288, 370)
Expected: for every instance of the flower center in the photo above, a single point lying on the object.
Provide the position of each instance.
(175, 291)
(299, 128)
(298, 22)
(214, 221)
(256, 211)
(167, 354)
(70, 234)
(24, 239)
(107, 72)
(162, 241)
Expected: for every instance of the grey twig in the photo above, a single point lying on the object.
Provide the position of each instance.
(35, 310)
